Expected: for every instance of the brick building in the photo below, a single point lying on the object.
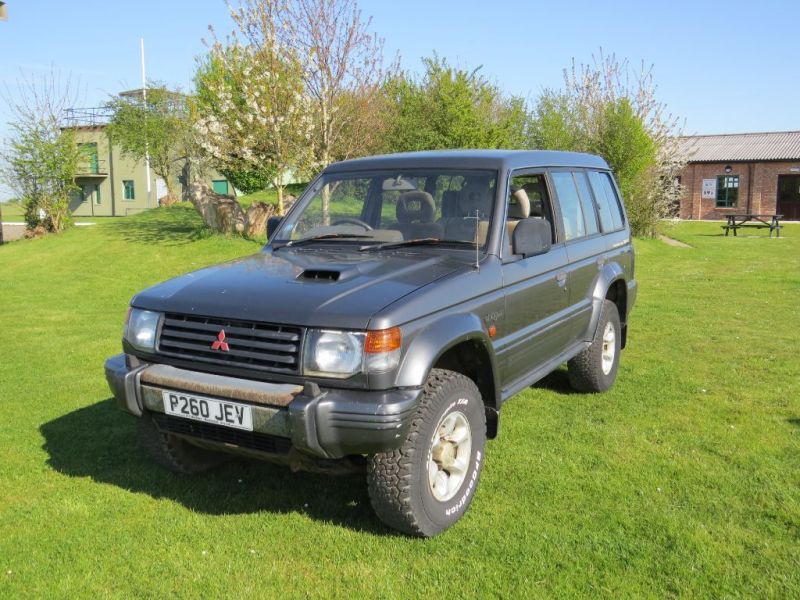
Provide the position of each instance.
(741, 173)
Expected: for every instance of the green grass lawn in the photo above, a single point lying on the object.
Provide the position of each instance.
(683, 480)
(12, 212)
(271, 196)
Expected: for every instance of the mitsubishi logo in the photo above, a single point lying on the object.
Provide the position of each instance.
(220, 343)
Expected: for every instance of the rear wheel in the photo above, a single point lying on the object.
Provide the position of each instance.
(173, 452)
(426, 485)
(595, 369)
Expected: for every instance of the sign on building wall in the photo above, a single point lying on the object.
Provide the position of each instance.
(709, 189)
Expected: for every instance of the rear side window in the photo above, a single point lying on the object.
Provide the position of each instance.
(587, 204)
(570, 203)
(607, 202)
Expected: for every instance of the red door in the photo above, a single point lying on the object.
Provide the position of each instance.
(789, 197)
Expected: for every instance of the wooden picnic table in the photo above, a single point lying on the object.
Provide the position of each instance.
(773, 222)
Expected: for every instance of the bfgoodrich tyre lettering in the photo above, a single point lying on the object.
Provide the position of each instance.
(400, 482)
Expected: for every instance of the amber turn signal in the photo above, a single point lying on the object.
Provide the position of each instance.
(385, 340)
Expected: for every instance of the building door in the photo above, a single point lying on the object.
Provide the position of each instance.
(89, 163)
(220, 186)
(789, 197)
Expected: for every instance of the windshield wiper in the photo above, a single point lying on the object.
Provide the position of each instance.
(417, 242)
(327, 236)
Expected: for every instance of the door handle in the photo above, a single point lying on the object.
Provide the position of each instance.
(561, 279)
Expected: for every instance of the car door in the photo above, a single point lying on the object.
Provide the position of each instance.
(584, 245)
(535, 289)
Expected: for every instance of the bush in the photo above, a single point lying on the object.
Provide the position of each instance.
(599, 111)
(248, 182)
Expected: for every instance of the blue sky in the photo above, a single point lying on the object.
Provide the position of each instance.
(722, 66)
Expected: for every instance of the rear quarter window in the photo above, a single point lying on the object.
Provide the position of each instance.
(570, 203)
(608, 206)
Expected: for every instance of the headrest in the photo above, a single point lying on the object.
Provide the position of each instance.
(535, 192)
(450, 203)
(519, 206)
(474, 196)
(415, 207)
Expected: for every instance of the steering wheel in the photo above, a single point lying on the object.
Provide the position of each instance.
(353, 221)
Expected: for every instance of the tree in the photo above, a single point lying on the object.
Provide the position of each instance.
(156, 127)
(555, 125)
(296, 87)
(342, 68)
(41, 158)
(451, 108)
(608, 109)
(251, 113)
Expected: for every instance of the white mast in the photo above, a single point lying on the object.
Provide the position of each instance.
(144, 99)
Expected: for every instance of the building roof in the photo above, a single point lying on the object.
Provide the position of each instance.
(471, 159)
(741, 147)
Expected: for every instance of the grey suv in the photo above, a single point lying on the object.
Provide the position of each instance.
(395, 308)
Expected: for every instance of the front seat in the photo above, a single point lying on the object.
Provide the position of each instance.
(519, 207)
(474, 200)
(415, 213)
(536, 194)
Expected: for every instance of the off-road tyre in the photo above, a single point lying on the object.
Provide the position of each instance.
(585, 370)
(174, 453)
(398, 481)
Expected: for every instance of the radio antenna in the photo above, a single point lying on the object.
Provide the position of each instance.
(477, 218)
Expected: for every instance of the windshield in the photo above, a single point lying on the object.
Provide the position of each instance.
(444, 207)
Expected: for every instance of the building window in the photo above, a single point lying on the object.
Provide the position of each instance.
(127, 189)
(727, 190)
(97, 195)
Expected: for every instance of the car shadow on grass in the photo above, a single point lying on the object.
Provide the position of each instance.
(557, 381)
(99, 442)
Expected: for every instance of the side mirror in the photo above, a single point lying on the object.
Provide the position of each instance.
(531, 237)
(272, 225)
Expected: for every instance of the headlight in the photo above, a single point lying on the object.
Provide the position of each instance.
(334, 353)
(345, 353)
(140, 329)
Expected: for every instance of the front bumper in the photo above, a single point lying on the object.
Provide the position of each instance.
(327, 423)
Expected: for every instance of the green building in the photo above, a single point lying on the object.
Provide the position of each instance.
(112, 184)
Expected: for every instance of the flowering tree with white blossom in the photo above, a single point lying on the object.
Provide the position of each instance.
(251, 113)
(297, 86)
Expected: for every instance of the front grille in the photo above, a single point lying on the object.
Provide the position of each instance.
(251, 345)
(214, 433)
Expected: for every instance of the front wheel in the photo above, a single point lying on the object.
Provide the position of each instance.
(173, 452)
(595, 369)
(426, 485)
